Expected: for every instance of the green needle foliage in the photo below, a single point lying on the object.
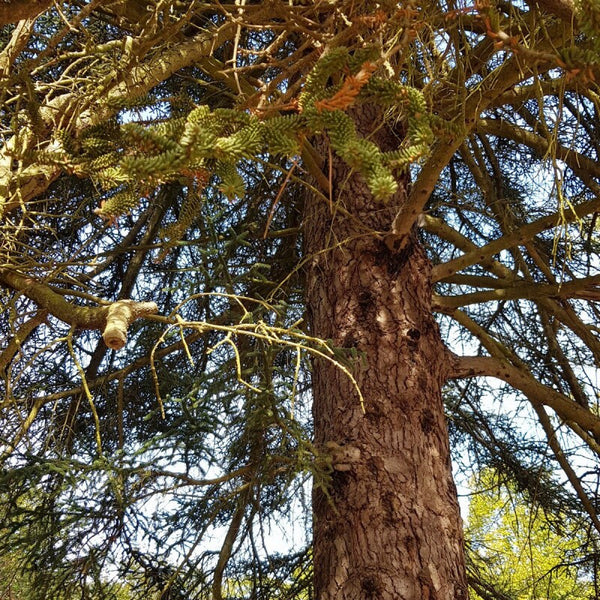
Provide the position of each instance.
(167, 152)
(127, 160)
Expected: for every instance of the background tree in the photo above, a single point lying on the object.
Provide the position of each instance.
(513, 540)
(253, 203)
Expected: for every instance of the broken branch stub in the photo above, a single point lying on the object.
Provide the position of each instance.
(119, 316)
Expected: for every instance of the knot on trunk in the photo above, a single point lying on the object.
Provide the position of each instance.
(342, 457)
(118, 318)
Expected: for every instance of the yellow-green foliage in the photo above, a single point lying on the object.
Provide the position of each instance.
(315, 87)
(514, 545)
(575, 57)
(120, 203)
(190, 209)
(232, 183)
(411, 105)
(136, 158)
(282, 134)
(188, 213)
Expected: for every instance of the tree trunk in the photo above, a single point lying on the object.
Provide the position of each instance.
(391, 528)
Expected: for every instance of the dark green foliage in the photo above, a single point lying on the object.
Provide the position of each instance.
(202, 425)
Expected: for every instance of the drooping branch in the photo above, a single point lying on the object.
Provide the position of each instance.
(537, 393)
(574, 479)
(113, 319)
(98, 382)
(539, 396)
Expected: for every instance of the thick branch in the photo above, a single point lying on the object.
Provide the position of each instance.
(113, 319)
(586, 288)
(35, 179)
(227, 546)
(423, 186)
(12, 11)
(563, 9)
(119, 316)
(518, 95)
(443, 230)
(18, 41)
(81, 317)
(503, 78)
(505, 277)
(581, 165)
(520, 236)
(537, 393)
(19, 339)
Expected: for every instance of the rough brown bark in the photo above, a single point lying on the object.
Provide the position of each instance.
(392, 529)
(12, 11)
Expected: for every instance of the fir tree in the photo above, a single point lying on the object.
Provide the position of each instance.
(264, 260)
